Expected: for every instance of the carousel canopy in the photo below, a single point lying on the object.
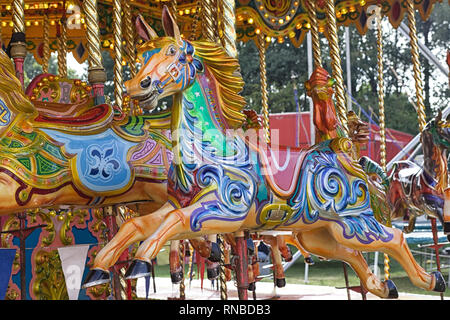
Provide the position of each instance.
(279, 19)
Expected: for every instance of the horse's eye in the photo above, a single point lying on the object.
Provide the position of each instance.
(171, 51)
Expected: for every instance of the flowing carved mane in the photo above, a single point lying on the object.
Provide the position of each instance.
(11, 91)
(225, 70)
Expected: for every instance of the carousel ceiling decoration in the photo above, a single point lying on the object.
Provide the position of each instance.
(275, 19)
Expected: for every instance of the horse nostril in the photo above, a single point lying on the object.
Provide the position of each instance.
(146, 83)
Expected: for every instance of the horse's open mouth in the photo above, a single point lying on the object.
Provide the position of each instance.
(148, 100)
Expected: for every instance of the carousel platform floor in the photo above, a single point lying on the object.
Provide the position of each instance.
(264, 291)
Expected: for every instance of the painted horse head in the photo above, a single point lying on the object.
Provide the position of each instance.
(320, 88)
(171, 64)
(15, 107)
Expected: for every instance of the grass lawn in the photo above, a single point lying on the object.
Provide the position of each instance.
(330, 273)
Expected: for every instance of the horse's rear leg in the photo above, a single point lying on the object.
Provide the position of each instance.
(321, 243)
(399, 250)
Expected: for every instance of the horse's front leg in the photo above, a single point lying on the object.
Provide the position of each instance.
(133, 230)
(176, 225)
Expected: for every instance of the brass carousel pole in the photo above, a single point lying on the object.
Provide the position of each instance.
(46, 47)
(18, 44)
(62, 45)
(311, 8)
(118, 47)
(264, 95)
(97, 74)
(420, 103)
(129, 33)
(341, 107)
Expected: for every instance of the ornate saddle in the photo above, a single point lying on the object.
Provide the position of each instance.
(281, 167)
(67, 105)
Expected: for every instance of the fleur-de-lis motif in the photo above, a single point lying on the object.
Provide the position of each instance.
(104, 164)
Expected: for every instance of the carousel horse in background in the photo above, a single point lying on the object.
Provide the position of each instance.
(76, 157)
(224, 183)
(412, 190)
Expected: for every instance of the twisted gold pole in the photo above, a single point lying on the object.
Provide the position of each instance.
(62, 49)
(208, 25)
(19, 16)
(195, 24)
(264, 95)
(182, 286)
(336, 65)
(117, 29)
(129, 36)
(46, 48)
(173, 4)
(382, 120)
(97, 75)
(416, 64)
(227, 28)
(311, 8)
(222, 275)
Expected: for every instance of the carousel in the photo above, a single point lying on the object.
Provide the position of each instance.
(94, 187)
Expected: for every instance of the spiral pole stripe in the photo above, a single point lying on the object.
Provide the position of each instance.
(208, 30)
(222, 275)
(416, 65)
(264, 94)
(311, 8)
(19, 16)
(382, 121)
(336, 65)
(228, 30)
(62, 50)
(93, 34)
(46, 47)
(195, 22)
(182, 286)
(117, 27)
(129, 36)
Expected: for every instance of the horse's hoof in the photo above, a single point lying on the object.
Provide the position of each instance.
(213, 273)
(176, 276)
(440, 282)
(281, 283)
(393, 293)
(214, 256)
(251, 286)
(96, 277)
(309, 261)
(138, 269)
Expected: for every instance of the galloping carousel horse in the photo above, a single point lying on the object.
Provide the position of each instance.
(221, 181)
(411, 190)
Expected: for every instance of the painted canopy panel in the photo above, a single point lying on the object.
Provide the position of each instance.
(275, 18)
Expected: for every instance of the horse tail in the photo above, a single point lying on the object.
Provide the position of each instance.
(371, 167)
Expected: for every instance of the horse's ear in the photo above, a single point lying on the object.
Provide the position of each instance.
(144, 30)
(170, 26)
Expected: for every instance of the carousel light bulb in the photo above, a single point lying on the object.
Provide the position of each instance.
(187, 11)
(352, 9)
(291, 34)
(250, 20)
(362, 2)
(181, 12)
(298, 26)
(28, 23)
(8, 7)
(36, 23)
(27, 6)
(281, 21)
(344, 10)
(308, 25)
(280, 39)
(11, 24)
(268, 39)
(258, 31)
